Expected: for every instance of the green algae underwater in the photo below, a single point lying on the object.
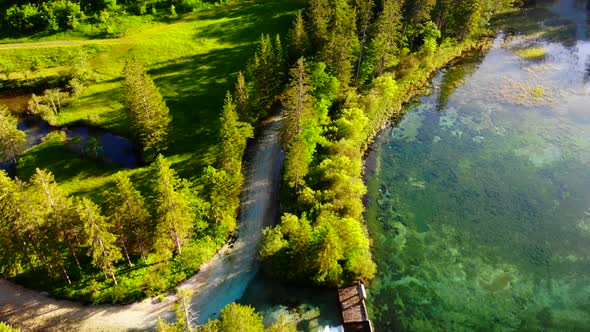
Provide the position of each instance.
(479, 197)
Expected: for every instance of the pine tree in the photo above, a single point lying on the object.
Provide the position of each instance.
(12, 140)
(297, 38)
(130, 218)
(385, 47)
(242, 97)
(148, 113)
(319, 12)
(99, 239)
(15, 244)
(365, 14)
(263, 78)
(233, 141)
(298, 103)
(175, 212)
(57, 211)
(338, 50)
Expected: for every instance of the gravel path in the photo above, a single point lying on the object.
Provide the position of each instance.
(219, 282)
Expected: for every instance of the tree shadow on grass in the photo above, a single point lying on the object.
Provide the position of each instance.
(271, 17)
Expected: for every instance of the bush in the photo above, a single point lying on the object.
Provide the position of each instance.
(193, 256)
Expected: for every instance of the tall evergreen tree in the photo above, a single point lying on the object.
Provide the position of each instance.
(297, 38)
(264, 78)
(298, 103)
(149, 115)
(338, 50)
(242, 97)
(233, 141)
(99, 239)
(57, 211)
(319, 12)
(130, 218)
(365, 14)
(15, 243)
(175, 212)
(12, 140)
(385, 45)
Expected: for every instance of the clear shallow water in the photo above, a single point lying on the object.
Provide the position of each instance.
(479, 201)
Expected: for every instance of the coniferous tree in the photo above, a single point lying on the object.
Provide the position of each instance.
(58, 213)
(298, 103)
(242, 97)
(99, 239)
(297, 39)
(417, 14)
(175, 212)
(263, 77)
(338, 49)
(233, 141)
(16, 245)
(12, 140)
(148, 113)
(130, 218)
(385, 47)
(319, 12)
(365, 14)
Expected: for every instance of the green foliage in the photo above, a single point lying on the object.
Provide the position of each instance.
(236, 318)
(12, 140)
(99, 239)
(48, 16)
(174, 210)
(266, 72)
(130, 218)
(147, 110)
(7, 328)
(185, 80)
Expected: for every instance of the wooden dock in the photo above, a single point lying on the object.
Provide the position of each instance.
(355, 317)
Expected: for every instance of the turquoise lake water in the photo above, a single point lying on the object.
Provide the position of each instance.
(479, 198)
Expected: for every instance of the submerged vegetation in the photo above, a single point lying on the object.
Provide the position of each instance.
(377, 55)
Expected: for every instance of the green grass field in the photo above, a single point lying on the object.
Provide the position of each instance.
(193, 60)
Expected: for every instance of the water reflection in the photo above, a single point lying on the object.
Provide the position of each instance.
(105, 146)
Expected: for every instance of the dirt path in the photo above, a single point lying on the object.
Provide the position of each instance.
(220, 281)
(59, 43)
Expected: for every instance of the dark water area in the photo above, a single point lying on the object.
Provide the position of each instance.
(105, 146)
(479, 198)
(312, 309)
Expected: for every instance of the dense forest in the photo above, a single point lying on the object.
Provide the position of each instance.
(353, 64)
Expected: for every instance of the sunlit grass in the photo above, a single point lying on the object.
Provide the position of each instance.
(193, 60)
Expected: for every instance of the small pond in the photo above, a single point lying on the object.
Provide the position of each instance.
(106, 147)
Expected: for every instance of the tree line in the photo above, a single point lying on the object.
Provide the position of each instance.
(32, 16)
(233, 318)
(173, 228)
(353, 63)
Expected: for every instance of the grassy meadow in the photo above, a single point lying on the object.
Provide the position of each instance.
(193, 60)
